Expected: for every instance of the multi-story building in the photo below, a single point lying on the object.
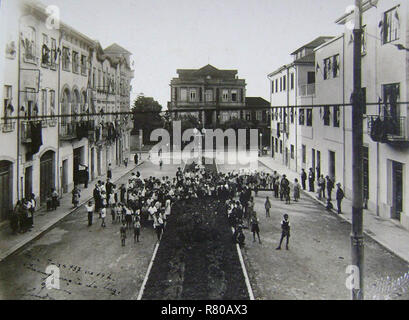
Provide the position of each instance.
(293, 85)
(385, 80)
(54, 120)
(205, 91)
(216, 97)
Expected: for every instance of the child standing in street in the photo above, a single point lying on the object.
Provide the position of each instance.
(136, 229)
(285, 231)
(255, 229)
(90, 212)
(267, 205)
(123, 234)
(103, 216)
(297, 188)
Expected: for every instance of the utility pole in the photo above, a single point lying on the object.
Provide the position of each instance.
(357, 245)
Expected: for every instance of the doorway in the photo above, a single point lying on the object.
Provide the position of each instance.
(47, 175)
(64, 176)
(313, 159)
(6, 187)
(77, 159)
(28, 182)
(99, 161)
(397, 189)
(92, 164)
(331, 169)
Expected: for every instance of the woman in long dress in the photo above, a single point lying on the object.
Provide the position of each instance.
(167, 207)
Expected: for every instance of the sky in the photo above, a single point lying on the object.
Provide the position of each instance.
(254, 37)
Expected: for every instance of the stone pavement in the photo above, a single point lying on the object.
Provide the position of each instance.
(387, 232)
(44, 220)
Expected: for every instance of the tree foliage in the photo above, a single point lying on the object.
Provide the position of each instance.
(147, 115)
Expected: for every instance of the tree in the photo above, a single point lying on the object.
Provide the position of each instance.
(147, 116)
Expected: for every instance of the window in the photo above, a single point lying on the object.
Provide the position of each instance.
(391, 94)
(44, 102)
(292, 151)
(66, 58)
(281, 84)
(309, 117)
(29, 44)
(304, 153)
(284, 82)
(272, 86)
(281, 146)
(248, 115)
(52, 102)
(276, 85)
(301, 117)
(183, 94)
(53, 53)
(326, 116)
(234, 95)
(75, 62)
(391, 25)
(45, 52)
(225, 95)
(310, 77)
(335, 66)
(209, 95)
(292, 115)
(193, 95)
(292, 81)
(276, 144)
(83, 65)
(336, 116)
(8, 96)
(327, 68)
(259, 115)
(331, 67)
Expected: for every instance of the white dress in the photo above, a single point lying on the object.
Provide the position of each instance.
(167, 207)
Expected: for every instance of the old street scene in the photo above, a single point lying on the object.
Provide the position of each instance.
(224, 150)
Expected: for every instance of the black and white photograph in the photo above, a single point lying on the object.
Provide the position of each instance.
(206, 154)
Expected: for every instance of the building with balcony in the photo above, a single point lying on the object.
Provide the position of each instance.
(293, 85)
(325, 135)
(207, 91)
(50, 96)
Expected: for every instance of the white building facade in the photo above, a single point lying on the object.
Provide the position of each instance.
(385, 79)
(52, 127)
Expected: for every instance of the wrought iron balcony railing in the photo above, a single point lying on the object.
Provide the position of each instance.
(8, 126)
(388, 129)
(68, 131)
(26, 130)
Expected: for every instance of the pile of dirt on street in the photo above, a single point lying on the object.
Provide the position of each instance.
(197, 258)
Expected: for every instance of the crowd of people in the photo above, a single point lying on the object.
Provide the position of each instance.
(22, 219)
(147, 202)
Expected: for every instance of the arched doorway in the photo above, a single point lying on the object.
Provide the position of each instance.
(47, 174)
(65, 104)
(6, 187)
